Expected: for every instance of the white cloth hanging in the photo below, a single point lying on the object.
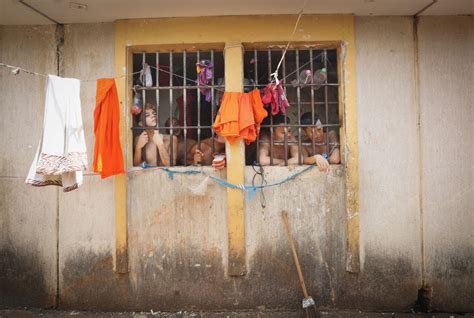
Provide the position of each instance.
(61, 155)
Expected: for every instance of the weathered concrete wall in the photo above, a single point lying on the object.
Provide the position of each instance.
(28, 233)
(388, 161)
(86, 223)
(446, 46)
(178, 241)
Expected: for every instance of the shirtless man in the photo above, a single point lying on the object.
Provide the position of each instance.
(198, 155)
(182, 143)
(278, 146)
(323, 154)
(204, 155)
(157, 146)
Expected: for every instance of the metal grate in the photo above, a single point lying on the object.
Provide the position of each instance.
(319, 99)
(175, 90)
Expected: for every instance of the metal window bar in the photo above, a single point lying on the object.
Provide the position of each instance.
(286, 127)
(185, 109)
(271, 116)
(171, 108)
(157, 91)
(298, 101)
(326, 106)
(144, 106)
(198, 56)
(212, 102)
(313, 146)
(255, 71)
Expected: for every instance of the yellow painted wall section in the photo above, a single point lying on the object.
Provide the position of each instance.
(235, 169)
(120, 181)
(148, 34)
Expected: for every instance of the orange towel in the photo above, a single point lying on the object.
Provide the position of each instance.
(240, 116)
(108, 157)
(259, 112)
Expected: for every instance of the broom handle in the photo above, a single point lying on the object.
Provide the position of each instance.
(284, 215)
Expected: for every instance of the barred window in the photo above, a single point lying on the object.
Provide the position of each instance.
(173, 110)
(309, 78)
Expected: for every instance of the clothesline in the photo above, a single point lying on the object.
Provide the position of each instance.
(16, 70)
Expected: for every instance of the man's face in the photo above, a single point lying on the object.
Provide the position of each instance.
(279, 133)
(150, 117)
(318, 134)
(176, 131)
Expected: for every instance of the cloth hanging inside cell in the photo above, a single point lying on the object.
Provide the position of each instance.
(205, 73)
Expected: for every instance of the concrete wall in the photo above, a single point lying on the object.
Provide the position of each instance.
(388, 159)
(446, 98)
(177, 241)
(28, 234)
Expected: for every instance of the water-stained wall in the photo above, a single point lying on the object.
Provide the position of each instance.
(59, 249)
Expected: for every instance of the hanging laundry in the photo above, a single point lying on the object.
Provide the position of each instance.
(259, 112)
(274, 94)
(205, 73)
(61, 155)
(108, 157)
(240, 116)
(145, 76)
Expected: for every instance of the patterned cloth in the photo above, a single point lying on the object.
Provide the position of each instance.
(61, 155)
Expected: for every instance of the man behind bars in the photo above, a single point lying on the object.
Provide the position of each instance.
(278, 144)
(324, 153)
(156, 145)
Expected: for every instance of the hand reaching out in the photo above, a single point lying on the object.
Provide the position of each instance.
(323, 164)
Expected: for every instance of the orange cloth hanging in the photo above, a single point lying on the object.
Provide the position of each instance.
(108, 157)
(240, 116)
(259, 112)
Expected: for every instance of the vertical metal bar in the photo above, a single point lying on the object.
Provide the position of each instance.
(298, 99)
(326, 100)
(198, 56)
(212, 100)
(255, 71)
(143, 94)
(286, 128)
(171, 108)
(185, 110)
(157, 90)
(313, 145)
(144, 107)
(271, 116)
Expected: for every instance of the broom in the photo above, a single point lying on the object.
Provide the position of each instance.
(308, 301)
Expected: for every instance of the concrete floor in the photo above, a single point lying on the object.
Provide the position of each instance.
(30, 313)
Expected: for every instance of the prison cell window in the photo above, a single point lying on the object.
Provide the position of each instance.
(311, 84)
(176, 108)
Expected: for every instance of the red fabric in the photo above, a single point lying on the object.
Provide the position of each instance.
(108, 157)
(274, 94)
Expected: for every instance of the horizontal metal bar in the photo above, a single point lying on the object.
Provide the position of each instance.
(174, 127)
(291, 85)
(304, 143)
(298, 126)
(140, 88)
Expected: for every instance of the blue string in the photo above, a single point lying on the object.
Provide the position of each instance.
(170, 172)
(251, 189)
